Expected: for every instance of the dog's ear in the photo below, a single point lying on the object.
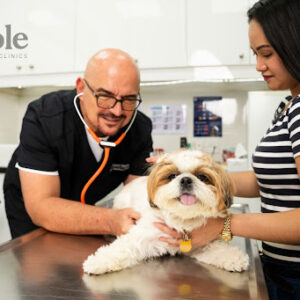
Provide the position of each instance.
(152, 181)
(227, 189)
(226, 185)
(155, 165)
(156, 176)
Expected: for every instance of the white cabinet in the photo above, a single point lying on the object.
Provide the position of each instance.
(168, 38)
(252, 56)
(46, 27)
(217, 32)
(153, 32)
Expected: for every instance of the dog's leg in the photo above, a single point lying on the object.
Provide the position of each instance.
(222, 255)
(126, 251)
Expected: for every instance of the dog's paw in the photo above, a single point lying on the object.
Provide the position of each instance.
(101, 262)
(237, 262)
(94, 265)
(106, 260)
(223, 256)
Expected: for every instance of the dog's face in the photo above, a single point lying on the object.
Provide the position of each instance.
(189, 184)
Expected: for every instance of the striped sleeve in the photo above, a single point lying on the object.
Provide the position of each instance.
(294, 126)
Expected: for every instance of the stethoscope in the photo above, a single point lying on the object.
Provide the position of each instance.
(104, 144)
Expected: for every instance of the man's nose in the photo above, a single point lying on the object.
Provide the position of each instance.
(117, 109)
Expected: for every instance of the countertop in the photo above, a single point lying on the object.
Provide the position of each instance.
(47, 265)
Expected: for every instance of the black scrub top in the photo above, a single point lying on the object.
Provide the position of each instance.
(53, 138)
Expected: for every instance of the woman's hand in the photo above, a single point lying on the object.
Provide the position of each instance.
(203, 235)
(152, 159)
(174, 238)
(199, 236)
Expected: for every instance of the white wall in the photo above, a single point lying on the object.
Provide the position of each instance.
(260, 111)
(4, 230)
(234, 114)
(9, 115)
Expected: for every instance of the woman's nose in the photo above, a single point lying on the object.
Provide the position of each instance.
(260, 65)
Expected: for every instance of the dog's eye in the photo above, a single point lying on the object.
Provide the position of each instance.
(172, 176)
(203, 178)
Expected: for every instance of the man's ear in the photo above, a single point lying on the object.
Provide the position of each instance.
(80, 85)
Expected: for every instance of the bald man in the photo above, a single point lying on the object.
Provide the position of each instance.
(57, 155)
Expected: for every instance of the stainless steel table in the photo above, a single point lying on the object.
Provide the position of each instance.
(46, 265)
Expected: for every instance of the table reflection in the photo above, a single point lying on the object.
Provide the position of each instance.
(171, 278)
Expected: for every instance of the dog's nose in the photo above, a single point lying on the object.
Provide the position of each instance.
(186, 183)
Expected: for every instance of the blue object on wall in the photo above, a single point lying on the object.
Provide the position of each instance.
(207, 118)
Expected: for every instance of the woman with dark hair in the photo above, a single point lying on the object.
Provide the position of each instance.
(274, 34)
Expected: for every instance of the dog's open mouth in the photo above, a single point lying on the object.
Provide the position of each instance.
(187, 199)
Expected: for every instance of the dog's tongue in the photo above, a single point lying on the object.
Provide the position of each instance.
(187, 199)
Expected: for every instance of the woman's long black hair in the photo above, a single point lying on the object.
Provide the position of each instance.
(280, 20)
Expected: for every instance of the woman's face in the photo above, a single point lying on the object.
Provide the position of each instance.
(269, 63)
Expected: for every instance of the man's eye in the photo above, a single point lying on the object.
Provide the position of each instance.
(103, 97)
(131, 99)
(172, 176)
(203, 178)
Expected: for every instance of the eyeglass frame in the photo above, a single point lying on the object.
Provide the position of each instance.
(139, 99)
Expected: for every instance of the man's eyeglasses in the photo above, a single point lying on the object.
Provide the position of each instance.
(108, 101)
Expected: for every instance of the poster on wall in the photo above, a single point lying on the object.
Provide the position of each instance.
(168, 119)
(207, 116)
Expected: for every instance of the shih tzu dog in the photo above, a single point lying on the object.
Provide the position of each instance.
(183, 190)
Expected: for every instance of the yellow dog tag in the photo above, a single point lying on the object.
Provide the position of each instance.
(185, 245)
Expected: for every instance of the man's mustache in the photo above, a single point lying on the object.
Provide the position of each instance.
(111, 116)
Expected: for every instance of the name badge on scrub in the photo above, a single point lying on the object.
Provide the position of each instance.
(119, 167)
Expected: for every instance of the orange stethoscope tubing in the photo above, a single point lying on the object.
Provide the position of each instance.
(106, 145)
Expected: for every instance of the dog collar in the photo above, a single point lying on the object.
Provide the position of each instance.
(185, 243)
(152, 204)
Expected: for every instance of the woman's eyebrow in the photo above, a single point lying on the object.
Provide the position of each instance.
(262, 46)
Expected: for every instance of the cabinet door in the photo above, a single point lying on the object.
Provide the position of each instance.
(12, 20)
(153, 32)
(252, 56)
(217, 32)
(49, 28)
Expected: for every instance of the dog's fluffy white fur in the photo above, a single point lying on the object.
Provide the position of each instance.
(183, 190)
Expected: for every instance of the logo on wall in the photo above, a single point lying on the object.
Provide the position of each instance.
(12, 44)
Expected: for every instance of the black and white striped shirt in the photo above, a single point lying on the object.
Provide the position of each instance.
(275, 168)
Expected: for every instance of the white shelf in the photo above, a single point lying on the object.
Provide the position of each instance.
(241, 73)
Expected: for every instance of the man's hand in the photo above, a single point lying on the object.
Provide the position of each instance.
(121, 220)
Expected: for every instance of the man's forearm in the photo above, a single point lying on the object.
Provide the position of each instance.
(65, 216)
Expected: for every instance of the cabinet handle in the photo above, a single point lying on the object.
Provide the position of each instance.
(31, 67)
(242, 55)
(18, 67)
